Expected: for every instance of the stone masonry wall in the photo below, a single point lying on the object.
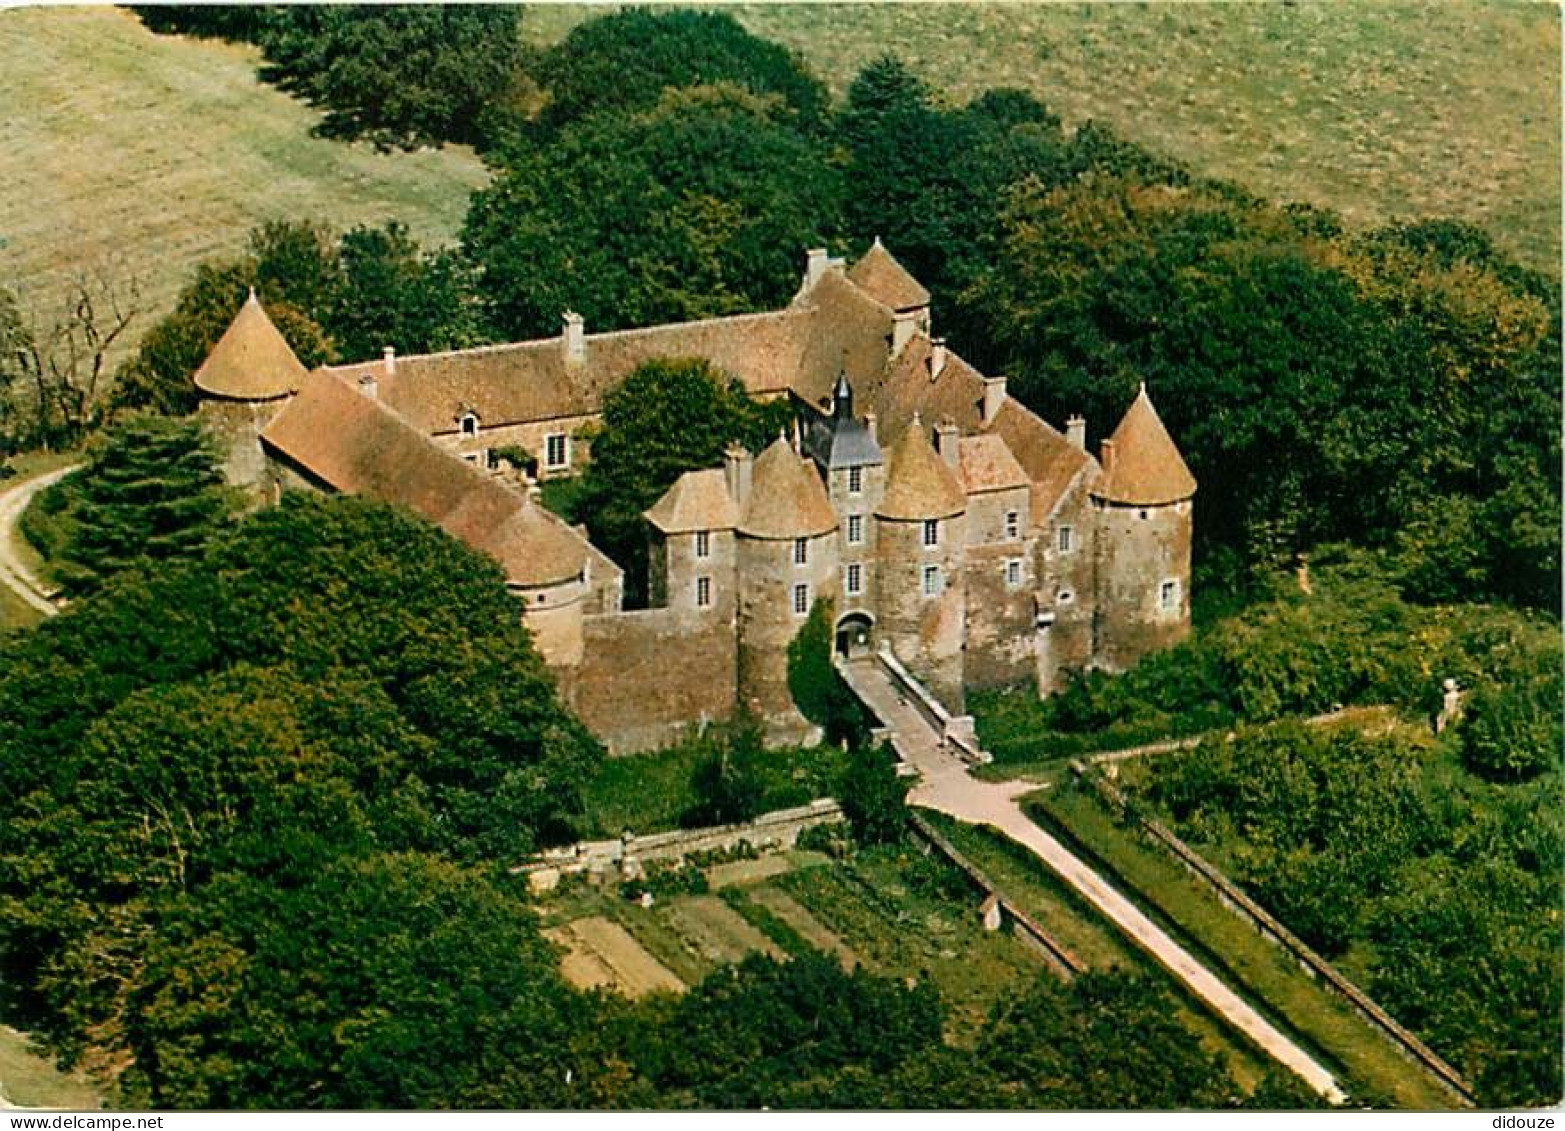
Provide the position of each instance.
(1138, 550)
(768, 624)
(1067, 586)
(648, 676)
(1000, 612)
(927, 633)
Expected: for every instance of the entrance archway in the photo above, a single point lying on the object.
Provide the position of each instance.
(853, 635)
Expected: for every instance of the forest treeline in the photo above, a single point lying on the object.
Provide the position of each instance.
(1396, 388)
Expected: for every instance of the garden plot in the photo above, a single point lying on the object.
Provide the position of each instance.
(716, 931)
(600, 953)
(795, 915)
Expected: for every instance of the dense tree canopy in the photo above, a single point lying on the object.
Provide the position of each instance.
(622, 63)
(698, 205)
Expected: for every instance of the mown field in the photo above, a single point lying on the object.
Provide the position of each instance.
(1378, 110)
(152, 153)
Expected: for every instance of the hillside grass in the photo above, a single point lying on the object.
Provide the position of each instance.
(147, 154)
(1379, 110)
(30, 1080)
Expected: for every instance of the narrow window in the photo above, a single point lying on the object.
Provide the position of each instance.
(1168, 596)
(1067, 539)
(469, 424)
(801, 551)
(555, 453)
(855, 529)
(854, 580)
(703, 592)
(1013, 524)
(801, 600)
(1142, 514)
(703, 544)
(1064, 597)
(1013, 573)
(931, 532)
(855, 480)
(931, 581)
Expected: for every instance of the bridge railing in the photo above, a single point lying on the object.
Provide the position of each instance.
(956, 731)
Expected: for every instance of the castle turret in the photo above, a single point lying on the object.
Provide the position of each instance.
(787, 560)
(921, 534)
(246, 379)
(1142, 503)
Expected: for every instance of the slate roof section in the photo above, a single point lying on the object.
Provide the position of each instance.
(356, 445)
(787, 498)
(252, 361)
(1147, 469)
(879, 274)
(698, 500)
(986, 464)
(919, 485)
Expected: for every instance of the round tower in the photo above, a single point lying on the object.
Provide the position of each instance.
(1142, 505)
(921, 594)
(243, 383)
(786, 549)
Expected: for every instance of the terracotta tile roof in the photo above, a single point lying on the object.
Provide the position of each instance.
(532, 381)
(904, 388)
(698, 500)
(1051, 461)
(887, 280)
(1146, 468)
(986, 464)
(251, 361)
(846, 332)
(787, 498)
(357, 445)
(918, 482)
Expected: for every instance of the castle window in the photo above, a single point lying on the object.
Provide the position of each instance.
(931, 581)
(556, 454)
(1064, 597)
(1168, 596)
(1013, 524)
(703, 592)
(855, 529)
(469, 424)
(801, 600)
(703, 544)
(1013, 573)
(1066, 539)
(1142, 514)
(853, 579)
(855, 480)
(931, 532)
(801, 551)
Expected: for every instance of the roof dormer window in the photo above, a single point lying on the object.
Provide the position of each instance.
(469, 423)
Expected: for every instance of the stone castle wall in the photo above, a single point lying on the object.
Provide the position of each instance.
(927, 633)
(768, 624)
(1139, 549)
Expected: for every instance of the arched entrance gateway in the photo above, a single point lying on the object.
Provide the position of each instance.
(853, 635)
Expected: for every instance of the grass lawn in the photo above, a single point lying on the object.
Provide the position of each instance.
(649, 793)
(1229, 944)
(1380, 110)
(157, 152)
(28, 1080)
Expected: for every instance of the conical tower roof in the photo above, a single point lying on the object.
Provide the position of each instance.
(919, 485)
(786, 497)
(886, 280)
(1145, 469)
(251, 361)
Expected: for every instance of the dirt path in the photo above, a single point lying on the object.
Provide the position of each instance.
(14, 574)
(946, 787)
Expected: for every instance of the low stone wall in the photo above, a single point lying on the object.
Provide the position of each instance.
(1056, 956)
(955, 730)
(625, 856)
(1270, 928)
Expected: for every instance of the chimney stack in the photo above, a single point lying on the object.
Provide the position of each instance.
(937, 357)
(575, 336)
(1076, 431)
(904, 324)
(994, 397)
(388, 360)
(369, 386)
(1107, 458)
(816, 262)
(737, 463)
(946, 439)
(869, 425)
